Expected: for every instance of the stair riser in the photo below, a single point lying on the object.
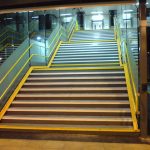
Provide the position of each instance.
(83, 66)
(86, 58)
(77, 75)
(69, 113)
(71, 98)
(86, 52)
(72, 91)
(87, 39)
(78, 85)
(74, 105)
(88, 48)
(84, 61)
(75, 80)
(68, 122)
(62, 56)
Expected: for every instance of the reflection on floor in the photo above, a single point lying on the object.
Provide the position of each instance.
(7, 144)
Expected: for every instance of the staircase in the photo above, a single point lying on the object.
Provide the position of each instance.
(93, 35)
(83, 90)
(6, 52)
(134, 45)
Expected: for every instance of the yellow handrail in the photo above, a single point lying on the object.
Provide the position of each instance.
(15, 64)
(135, 92)
(5, 46)
(20, 69)
(9, 30)
(70, 25)
(5, 31)
(132, 91)
(20, 59)
(55, 38)
(17, 76)
(26, 63)
(131, 98)
(8, 44)
(8, 37)
(118, 38)
(49, 64)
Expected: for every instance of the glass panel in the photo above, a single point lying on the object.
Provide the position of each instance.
(37, 35)
(13, 65)
(14, 32)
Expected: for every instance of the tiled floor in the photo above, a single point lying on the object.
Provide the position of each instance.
(14, 144)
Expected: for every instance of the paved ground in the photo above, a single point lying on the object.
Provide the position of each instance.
(22, 144)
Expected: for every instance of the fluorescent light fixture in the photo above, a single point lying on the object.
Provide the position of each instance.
(30, 11)
(65, 15)
(137, 4)
(97, 17)
(147, 3)
(97, 12)
(1, 58)
(127, 16)
(22, 11)
(8, 18)
(38, 38)
(127, 11)
(67, 19)
(35, 17)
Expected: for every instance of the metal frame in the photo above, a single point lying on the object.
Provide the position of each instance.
(143, 70)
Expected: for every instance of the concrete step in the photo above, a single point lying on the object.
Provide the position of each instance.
(73, 96)
(85, 73)
(72, 103)
(116, 60)
(80, 120)
(69, 111)
(87, 56)
(74, 90)
(32, 79)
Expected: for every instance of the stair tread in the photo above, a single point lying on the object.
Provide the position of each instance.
(74, 89)
(75, 78)
(73, 95)
(69, 118)
(85, 61)
(84, 55)
(76, 73)
(76, 83)
(85, 58)
(87, 52)
(66, 109)
(67, 126)
(112, 102)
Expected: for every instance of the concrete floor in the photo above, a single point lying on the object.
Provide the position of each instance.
(23, 144)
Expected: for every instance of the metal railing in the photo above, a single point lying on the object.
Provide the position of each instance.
(12, 75)
(131, 72)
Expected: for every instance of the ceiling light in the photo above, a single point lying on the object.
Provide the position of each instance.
(127, 11)
(67, 19)
(65, 14)
(8, 18)
(97, 17)
(38, 38)
(35, 17)
(97, 12)
(127, 16)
